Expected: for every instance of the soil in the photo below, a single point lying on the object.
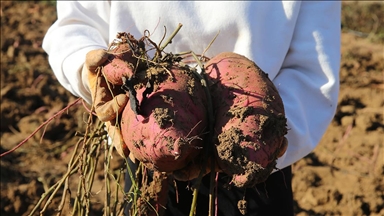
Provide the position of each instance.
(342, 176)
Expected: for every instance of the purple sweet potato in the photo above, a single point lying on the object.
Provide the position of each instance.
(167, 132)
(120, 64)
(250, 120)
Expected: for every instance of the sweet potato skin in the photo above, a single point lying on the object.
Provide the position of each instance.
(120, 63)
(250, 122)
(167, 133)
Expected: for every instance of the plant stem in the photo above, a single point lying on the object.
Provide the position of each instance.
(66, 185)
(169, 40)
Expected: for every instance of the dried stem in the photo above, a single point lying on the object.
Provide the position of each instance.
(117, 192)
(41, 126)
(169, 40)
(66, 185)
(210, 44)
(107, 207)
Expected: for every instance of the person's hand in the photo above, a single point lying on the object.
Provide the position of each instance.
(108, 100)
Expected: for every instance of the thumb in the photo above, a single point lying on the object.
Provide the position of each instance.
(95, 58)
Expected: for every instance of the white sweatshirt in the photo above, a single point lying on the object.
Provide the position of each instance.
(296, 43)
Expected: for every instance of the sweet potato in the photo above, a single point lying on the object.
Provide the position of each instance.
(167, 131)
(250, 120)
(121, 61)
(120, 64)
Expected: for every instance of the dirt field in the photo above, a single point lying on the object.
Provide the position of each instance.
(343, 176)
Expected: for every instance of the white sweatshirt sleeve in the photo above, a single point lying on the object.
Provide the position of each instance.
(308, 80)
(80, 27)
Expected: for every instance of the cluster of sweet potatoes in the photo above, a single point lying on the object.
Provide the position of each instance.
(166, 123)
